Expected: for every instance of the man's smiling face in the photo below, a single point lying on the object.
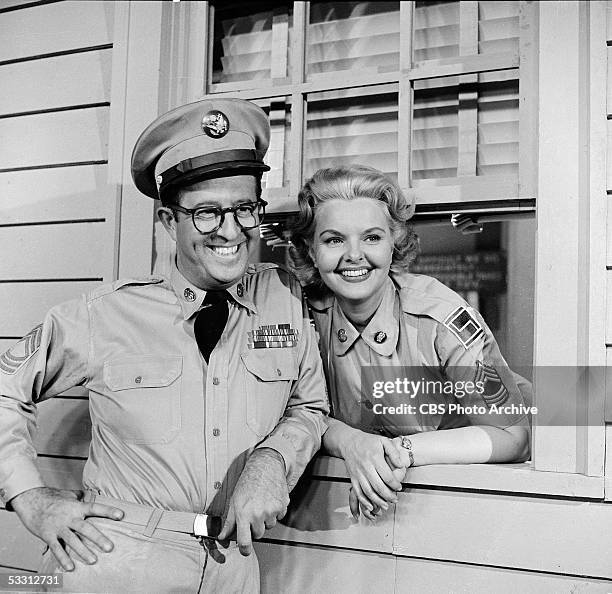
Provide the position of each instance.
(214, 260)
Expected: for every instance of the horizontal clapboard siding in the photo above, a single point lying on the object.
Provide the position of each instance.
(417, 576)
(61, 473)
(496, 527)
(473, 527)
(64, 427)
(75, 251)
(9, 5)
(609, 221)
(609, 308)
(57, 27)
(318, 570)
(58, 210)
(319, 515)
(56, 138)
(41, 296)
(57, 194)
(56, 82)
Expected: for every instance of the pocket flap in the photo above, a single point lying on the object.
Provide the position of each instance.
(271, 365)
(142, 371)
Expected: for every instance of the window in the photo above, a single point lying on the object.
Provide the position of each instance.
(426, 91)
(453, 98)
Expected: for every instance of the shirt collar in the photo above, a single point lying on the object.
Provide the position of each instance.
(191, 297)
(381, 333)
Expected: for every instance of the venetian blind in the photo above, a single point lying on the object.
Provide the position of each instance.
(462, 126)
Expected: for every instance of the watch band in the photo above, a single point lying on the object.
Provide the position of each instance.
(407, 445)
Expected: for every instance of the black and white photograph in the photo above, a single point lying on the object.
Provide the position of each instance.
(306, 297)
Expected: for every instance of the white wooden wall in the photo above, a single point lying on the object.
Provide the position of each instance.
(59, 232)
(438, 541)
(58, 210)
(80, 81)
(608, 239)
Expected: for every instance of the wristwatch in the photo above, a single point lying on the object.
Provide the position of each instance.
(407, 445)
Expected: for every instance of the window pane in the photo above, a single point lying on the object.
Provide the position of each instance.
(434, 132)
(495, 272)
(498, 29)
(250, 42)
(498, 125)
(277, 157)
(361, 36)
(437, 30)
(494, 129)
(344, 130)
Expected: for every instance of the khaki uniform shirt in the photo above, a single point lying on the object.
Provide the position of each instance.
(168, 430)
(422, 329)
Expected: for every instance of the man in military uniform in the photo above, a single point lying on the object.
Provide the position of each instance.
(206, 393)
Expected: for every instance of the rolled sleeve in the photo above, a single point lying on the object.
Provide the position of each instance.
(47, 361)
(20, 474)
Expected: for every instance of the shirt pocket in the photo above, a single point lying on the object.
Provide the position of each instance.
(143, 401)
(268, 377)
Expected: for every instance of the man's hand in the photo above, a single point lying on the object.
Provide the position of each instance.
(260, 498)
(375, 468)
(58, 518)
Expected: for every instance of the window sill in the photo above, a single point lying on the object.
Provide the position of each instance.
(499, 478)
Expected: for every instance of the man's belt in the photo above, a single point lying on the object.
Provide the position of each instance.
(152, 518)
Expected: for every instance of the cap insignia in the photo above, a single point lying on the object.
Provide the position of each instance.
(215, 124)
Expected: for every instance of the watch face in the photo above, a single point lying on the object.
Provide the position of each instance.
(406, 443)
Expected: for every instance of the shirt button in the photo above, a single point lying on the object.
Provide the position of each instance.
(217, 485)
(279, 372)
(216, 381)
(240, 290)
(138, 379)
(216, 432)
(189, 295)
(342, 335)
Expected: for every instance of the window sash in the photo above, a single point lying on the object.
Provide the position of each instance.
(301, 86)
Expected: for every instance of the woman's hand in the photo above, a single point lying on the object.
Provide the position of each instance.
(375, 467)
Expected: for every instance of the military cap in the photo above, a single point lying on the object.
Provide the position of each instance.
(200, 140)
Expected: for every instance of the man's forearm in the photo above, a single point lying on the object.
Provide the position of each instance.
(266, 456)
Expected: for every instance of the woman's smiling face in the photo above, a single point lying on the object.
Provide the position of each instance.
(352, 249)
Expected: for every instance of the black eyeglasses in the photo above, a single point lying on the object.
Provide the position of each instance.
(208, 219)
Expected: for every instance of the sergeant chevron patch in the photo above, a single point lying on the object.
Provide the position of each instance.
(494, 391)
(17, 356)
(464, 326)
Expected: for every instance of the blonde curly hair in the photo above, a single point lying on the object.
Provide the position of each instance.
(348, 183)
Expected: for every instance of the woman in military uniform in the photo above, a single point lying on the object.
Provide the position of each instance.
(414, 374)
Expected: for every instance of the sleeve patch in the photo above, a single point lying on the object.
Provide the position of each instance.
(19, 354)
(464, 326)
(494, 391)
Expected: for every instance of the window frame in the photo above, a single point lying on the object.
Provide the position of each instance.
(505, 194)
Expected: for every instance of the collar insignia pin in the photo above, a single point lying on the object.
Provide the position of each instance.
(380, 337)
